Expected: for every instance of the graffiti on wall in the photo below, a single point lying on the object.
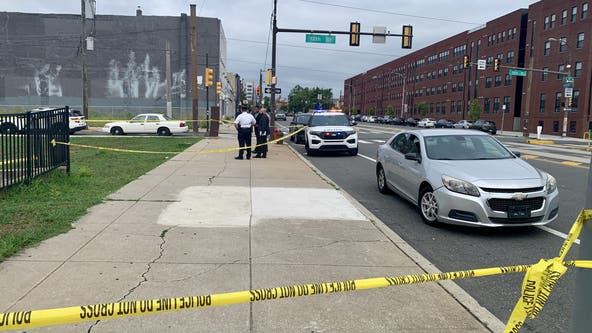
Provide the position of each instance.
(47, 80)
(141, 79)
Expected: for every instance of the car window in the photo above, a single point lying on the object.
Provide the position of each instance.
(337, 120)
(167, 117)
(153, 118)
(412, 144)
(302, 119)
(465, 147)
(399, 143)
(138, 119)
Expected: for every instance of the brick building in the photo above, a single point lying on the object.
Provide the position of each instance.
(434, 76)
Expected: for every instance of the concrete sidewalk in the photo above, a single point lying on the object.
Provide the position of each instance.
(205, 223)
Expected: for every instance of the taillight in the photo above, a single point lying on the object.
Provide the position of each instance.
(181, 124)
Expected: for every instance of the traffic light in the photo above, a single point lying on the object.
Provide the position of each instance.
(407, 36)
(354, 34)
(218, 88)
(209, 77)
(569, 103)
(268, 77)
(258, 90)
(496, 64)
(466, 61)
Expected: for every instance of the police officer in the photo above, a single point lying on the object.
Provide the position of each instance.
(261, 133)
(244, 124)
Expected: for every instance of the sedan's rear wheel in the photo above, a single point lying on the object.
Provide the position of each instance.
(163, 131)
(428, 206)
(381, 180)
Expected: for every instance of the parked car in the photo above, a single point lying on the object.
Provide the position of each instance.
(147, 123)
(463, 124)
(411, 121)
(77, 121)
(299, 121)
(445, 123)
(280, 116)
(371, 119)
(427, 123)
(465, 178)
(396, 121)
(485, 126)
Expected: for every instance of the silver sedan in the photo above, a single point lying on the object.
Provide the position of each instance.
(465, 178)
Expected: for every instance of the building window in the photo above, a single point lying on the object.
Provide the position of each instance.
(433, 91)
(459, 106)
(431, 107)
(486, 105)
(574, 14)
(546, 25)
(572, 126)
(439, 90)
(553, 19)
(489, 60)
(508, 81)
(580, 42)
(564, 17)
(445, 89)
(574, 101)
(443, 107)
(544, 74)
(460, 86)
(496, 104)
(584, 10)
(557, 102)
(446, 72)
(510, 57)
(578, 69)
(555, 126)
(560, 68)
(440, 73)
(507, 103)
(562, 44)
(488, 81)
(452, 106)
(503, 35)
(498, 80)
(454, 87)
(454, 69)
(438, 107)
(542, 103)
(547, 50)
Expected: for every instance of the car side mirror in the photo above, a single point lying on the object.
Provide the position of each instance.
(352, 123)
(516, 153)
(413, 157)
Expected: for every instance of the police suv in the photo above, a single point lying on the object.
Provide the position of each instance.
(330, 131)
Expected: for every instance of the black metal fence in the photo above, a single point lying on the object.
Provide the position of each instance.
(26, 144)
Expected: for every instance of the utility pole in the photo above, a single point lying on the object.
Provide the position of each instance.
(260, 96)
(194, 70)
(84, 70)
(207, 101)
(273, 61)
(168, 80)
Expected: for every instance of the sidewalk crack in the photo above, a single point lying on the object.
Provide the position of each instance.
(143, 275)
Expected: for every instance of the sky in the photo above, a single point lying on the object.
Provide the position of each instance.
(247, 27)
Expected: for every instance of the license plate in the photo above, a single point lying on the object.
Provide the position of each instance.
(518, 212)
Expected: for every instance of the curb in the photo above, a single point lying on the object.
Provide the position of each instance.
(489, 320)
(540, 142)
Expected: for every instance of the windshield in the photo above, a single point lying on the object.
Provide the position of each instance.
(302, 118)
(336, 120)
(465, 147)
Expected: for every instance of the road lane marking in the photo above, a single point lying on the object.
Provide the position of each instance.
(570, 163)
(542, 227)
(556, 233)
(363, 141)
(379, 141)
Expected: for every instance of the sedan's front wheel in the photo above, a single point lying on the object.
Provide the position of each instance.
(428, 206)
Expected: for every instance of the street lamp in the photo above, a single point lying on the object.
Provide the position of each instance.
(567, 85)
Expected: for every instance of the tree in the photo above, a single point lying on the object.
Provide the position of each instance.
(303, 99)
(423, 108)
(390, 110)
(475, 110)
(371, 112)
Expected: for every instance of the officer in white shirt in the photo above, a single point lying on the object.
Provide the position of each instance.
(244, 124)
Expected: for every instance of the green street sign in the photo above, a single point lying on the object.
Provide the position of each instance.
(568, 79)
(327, 39)
(518, 72)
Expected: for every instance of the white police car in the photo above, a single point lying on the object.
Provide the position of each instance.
(330, 131)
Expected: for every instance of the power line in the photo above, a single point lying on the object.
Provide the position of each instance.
(391, 13)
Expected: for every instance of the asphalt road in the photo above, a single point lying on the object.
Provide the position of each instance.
(453, 248)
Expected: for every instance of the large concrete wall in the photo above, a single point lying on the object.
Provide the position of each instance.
(40, 59)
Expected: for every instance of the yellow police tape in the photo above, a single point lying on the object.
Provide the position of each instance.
(538, 282)
(222, 150)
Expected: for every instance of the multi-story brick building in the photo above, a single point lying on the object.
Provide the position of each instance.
(435, 75)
